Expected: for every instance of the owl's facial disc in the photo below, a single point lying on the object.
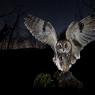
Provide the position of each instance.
(63, 47)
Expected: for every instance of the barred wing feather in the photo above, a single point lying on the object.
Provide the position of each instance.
(80, 34)
(42, 30)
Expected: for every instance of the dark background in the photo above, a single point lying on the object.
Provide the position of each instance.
(58, 12)
(19, 67)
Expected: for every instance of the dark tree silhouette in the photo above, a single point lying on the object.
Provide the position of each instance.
(90, 4)
(13, 29)
(7, 14)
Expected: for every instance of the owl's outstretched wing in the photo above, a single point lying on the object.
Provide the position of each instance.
(42, 30)
(80, 34)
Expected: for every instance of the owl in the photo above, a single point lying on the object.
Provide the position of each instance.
(67, 51)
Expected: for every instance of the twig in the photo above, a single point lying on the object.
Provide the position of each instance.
(3, 15)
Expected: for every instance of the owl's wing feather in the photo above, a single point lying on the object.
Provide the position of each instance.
(80, 34)
(42, 30)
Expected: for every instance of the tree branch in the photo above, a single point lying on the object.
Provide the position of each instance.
(90, 6)
(6, 14)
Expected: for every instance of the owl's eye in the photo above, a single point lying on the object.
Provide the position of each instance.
(65, 45)
(59, 45)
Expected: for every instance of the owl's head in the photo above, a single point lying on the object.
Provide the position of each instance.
(63, 57)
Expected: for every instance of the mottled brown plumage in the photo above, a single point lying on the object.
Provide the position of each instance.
(67, 51)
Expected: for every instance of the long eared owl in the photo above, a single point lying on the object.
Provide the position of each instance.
(66, 52)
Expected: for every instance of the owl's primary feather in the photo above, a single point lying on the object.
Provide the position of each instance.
(67, 51)
(80, 34)
(42, 30)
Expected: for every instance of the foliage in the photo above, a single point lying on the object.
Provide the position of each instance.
(57, 80)
(43, 81)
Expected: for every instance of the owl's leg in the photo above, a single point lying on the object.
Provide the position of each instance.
(57, 62)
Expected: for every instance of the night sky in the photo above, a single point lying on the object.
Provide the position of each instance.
(59, 12)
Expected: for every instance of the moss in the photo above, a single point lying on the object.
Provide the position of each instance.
(57, 80)
(43, 81)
